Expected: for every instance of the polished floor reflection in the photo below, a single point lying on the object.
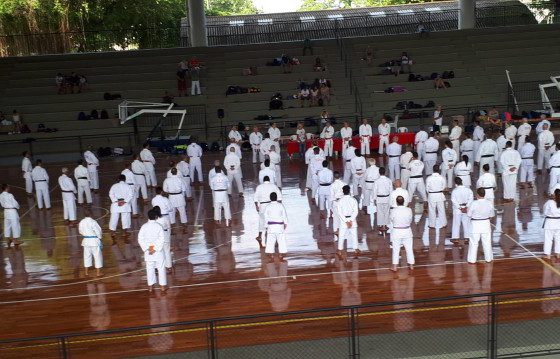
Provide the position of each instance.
(220, 271)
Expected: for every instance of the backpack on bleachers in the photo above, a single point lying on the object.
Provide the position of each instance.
(94, 115)
(434, 75)
(429, 104)
(448, 75)
(104, 115)
(419, 78)
(411, 78)
(82, 116)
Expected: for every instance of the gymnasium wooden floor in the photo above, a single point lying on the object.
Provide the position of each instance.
(221, 272)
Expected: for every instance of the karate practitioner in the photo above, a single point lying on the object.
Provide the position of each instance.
(448, 161)
(184, 172)
(236, 148)
(327, 134)
(358, 167)
(540, 125)
(394, 152)
(265, 145)
(510, 132)
(435, 184)
(365, 136)
(92, 166)
(461, 199)
(137, 167)
(404, 160)
(81, 174)
(92, 243)
(151, 239)
(416, 180)
(523, 132)
(325, 177)
(176, 189)
(431, 149)
(164, 205)
(276, 221)
(220, 185)
(121, 194)
(194, 151)
(551, 225)
(383, 129)
(488, 183)
(335, 196)
(527, 172)
(480, 213)
(149, 161)
(346, 135)
(347, 212)
(401, 234)
(455, 136)
(41, 180)
(12, 227)
(234, 135)
(69, 191)
(501, 143)
(275, 159)
(477, 136)
(546, 148)
(274, 133)
(487, 153)
(315, 165)
(399, 191)
(371, 175)
(131, 181)
(510, 160)
(164, 222)
(467, 147)
(347, 156)
(233, 167)
(419, 139)
(26, 168)
(382, 189)
(262, 199)
(463, 170)
(255, 139)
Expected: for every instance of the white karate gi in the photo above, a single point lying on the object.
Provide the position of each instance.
(255, 139)
(347, 212)
(371, 175)
(454, 137)
(399, 191)
(233, 168)
(501, 143)
(265, 146)
(551, 227)
(237, 150)
(184, 172)
(327, 134)
(164, 223)
(267, 171)
(175, 188)
(275, 165)
(546, 148)
(401, 234)
(384, 130)
(347, 156)
(527, 172)
(487, 153)
(92, 166)
(220, 185)
(477, 137)
(405, 172)
(276, 219)
(358, 167)
(463, 171)
(12, 227)
(81, 174)
(488, 182)
(394, 151)
(435, 184)
(448, 161)
(325, 178)
(419, 139)
(151, 235)
(124, 192)
(131, 181)
(510, 160)
(346, 135)
(431, 148)
(234, 135)
(416, 181)
(382, 189)
(68, 190)
(262, 199)
(165, 207)
(540, 126)
(41, 180)
(480, 213)
(523, 131)
(315, 165)
(149, 162)
(510, 133)
(92, 242)
(461, 197)
(336, 195)
(139, 171)
(194, 151)
(467, 148)
(26, 168)
(274, 133)
(365, 138)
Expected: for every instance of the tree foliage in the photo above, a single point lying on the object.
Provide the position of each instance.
(230, 7)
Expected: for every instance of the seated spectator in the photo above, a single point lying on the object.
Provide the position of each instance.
(302, 84)
(59, 80)
(369, 55)
(73, 81)
(82, 83)
(314, 96)
(94, 115)
(307, 45)
(324, 118)
(304, 95)
(493, 113)
(104, 115)
(7, 125)
(318, 66)
(287, 65)
(276, 102)
(181, 83)
(406, 63)
(440, 84)
(16, 119)
(422, 31)
(325, 97)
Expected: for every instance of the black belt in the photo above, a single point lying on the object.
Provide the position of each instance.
(526, 158)
(186, 176)
(401, 227)
(82, 178)
(220, 190)
(394, 155)
(67, 191)
(467, 150)
(130, 184)
(552, 217)
(347, 216)
(403, 168)
(265, 202)
(462, 204)
(487, 156)
(555, 167)
(420, 176)
(325, 184)
(174, 193)
(120, 199)
(436, 192)
(40, 181)
(138, 174)
(370, 181)
(450, 161)
(382, 195)
(487, 187)
(432, 152)
(359, 169)
(479, 219)
(348, 160)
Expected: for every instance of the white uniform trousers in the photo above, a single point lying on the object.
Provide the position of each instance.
(262, 226)
(457, 147)
(420, 150)
(429, 162)
(187, 182)
(324, 201)
(151, 179)
(257, 154)
(447, 174)
(28, 183)
(357, 181)
(550, 236)
(151, 267)
(383, 143)
(417, 185)
(527, 172)
(543, 157)
(460, 219)
(134, 203)
(350, 234)
(486, 239)
(489, 161)
(221, 201)
(278, 175)
(43, 195)
(405, 242)
(329, 145)
(405, 175)
(69, 206)
(309, 178)
(12, 227)
(509, 181)
(272, 239)
(235, 177)
(182, 214)
(195, 165)
(554, 178)
(436, 209)
(84, 189)
(383, 210)
(93, 254)
(167, 259)
(394, 169)
(114, 220)
(335, 217)
(364, 146)
(141, 185)
(476, 145)
(94, 178)
(347, 172)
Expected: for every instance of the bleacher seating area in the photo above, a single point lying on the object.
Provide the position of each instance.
(478, 58)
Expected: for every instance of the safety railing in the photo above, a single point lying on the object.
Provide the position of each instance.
(505, 324)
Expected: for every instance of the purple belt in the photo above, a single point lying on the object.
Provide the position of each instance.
(275, 222)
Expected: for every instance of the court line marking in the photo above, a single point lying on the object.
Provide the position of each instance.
(193, 285)
(288, 321)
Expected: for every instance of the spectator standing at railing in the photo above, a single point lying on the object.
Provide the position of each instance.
(59, 81)
(181, 83)
(195, 81)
